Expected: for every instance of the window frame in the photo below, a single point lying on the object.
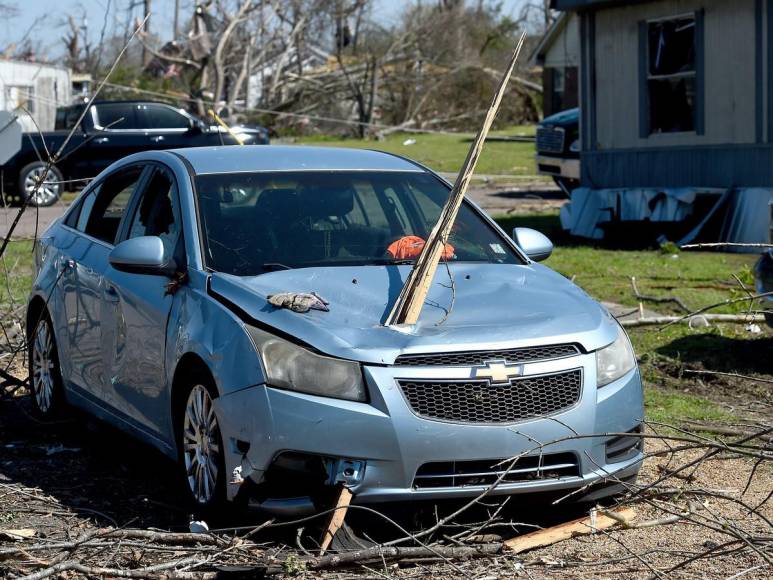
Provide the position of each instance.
(143, 106)
(94, 188)
(645, 117)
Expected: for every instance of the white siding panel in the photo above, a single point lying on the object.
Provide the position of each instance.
(565, 50)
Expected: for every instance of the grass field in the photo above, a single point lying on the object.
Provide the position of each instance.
(446, 152)
(699, 279)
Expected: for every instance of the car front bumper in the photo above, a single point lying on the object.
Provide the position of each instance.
(258, 423)
(558, 166)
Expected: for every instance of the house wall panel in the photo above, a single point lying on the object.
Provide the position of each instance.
(729, 95)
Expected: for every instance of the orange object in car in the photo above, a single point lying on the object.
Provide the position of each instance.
(411, 246)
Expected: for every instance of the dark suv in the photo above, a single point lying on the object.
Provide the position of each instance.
(108, 131)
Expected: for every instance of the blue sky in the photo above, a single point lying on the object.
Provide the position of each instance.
(53, 14)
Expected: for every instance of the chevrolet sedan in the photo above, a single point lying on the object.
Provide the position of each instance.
(227, 305)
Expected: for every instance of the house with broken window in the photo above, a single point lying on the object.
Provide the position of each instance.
(676, 122)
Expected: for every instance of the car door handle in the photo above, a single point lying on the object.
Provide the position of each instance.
(157, 138)
(111, 294)
(101, 140)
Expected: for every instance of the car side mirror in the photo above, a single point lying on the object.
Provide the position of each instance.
(143, 255)
(534, 244)
(196, 127)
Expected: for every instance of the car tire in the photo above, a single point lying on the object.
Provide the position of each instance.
(48, 193)
(45, 375)
(200, 447)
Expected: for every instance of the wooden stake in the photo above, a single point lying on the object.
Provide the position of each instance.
(337, 519)
(411, 299)
(579, 527)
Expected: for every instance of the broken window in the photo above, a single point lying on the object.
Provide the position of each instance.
(671, 75)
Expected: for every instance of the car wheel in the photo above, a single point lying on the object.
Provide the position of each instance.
(40, 194)
(46, 386)
(201, 448)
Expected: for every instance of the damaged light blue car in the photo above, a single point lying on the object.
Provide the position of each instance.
(227, 306)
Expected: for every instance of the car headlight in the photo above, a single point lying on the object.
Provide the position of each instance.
(289, 366)
(575, 146)
(613, 361)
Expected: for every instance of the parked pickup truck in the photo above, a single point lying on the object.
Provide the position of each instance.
(108, 131)
(558, 148)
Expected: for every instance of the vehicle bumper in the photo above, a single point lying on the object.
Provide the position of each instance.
(558, 166)
(260, 422)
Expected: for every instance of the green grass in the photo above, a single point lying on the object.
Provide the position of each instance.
(17, 261)
(446, 152)
(674, 407)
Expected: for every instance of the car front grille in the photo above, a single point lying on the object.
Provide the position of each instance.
(486, 472)
(550, 139)
(476, 401)
(480, 357)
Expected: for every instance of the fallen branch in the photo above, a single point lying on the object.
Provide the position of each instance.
(657, 299)
(723, 245)
(735, 375)
(393, 553)
(669, 320)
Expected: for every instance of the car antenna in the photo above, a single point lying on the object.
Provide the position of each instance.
(407, 308)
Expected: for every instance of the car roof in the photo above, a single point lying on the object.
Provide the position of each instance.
(249, 158)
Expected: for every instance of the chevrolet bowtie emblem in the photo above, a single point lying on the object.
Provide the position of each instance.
(497, 372)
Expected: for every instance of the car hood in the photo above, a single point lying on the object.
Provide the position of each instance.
(491, 306)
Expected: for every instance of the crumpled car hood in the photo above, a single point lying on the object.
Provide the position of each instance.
(491, 306)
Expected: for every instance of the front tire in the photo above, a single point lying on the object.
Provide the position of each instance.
(45, 375)
(42, 188)
(201, 448)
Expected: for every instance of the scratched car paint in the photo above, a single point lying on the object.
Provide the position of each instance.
(151, 310)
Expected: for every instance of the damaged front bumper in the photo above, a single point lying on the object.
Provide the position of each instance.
(383, 451)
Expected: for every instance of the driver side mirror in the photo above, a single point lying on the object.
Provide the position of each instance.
(196, 127)
(534, 244)
(143, 255)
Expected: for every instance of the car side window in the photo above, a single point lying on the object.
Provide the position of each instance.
(108, 205)
(158, 212)
(161, 117)
(112, 116)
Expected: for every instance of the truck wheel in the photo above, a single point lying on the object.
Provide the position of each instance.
(41, 187)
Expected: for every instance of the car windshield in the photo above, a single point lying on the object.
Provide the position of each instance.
(258, 222)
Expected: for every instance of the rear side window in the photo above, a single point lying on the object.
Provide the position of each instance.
(67, 117)
(103, 210)
(117, 116)
(161, 117)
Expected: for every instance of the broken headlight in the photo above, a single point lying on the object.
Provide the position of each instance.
(615, 360)
(289, 366)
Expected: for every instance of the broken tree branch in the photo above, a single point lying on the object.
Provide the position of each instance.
(411, 299)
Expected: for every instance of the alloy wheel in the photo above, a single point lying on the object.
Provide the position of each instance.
(201, 445)
(48, 191)
(43, 367)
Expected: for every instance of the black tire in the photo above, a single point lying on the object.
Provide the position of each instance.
(204, 497)
(46, 194)
(45, 375)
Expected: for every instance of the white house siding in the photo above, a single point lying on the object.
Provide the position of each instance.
(565, 49)
(729, 73)
(50, 88)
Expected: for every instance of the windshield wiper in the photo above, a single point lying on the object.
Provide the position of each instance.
(392, 261)
(274, 266)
